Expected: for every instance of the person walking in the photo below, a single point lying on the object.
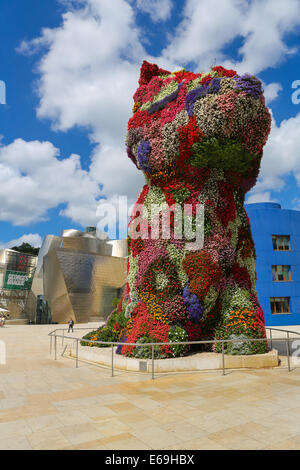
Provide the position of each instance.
(71, 325)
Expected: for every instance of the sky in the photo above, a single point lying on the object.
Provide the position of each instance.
(71, 67)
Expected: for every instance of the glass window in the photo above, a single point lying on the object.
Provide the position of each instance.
(286, 273)
(281, 273)
(286, 243)
(280, 305)
(281, 242)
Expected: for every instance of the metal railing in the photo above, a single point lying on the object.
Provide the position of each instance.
(53, 334)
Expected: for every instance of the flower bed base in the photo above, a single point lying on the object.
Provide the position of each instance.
(192, 362)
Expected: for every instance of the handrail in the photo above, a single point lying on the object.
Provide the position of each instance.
(196, 342)
(152, 345)
(280, 329)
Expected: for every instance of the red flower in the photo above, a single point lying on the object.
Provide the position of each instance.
(202, 272)
(226, 209)
(150, 70)
(206, 79)
(188, 135)
(224, 72)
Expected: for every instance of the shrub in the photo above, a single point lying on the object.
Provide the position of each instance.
(105, 333)
(179, 335)
(145, 352)
(242, 324)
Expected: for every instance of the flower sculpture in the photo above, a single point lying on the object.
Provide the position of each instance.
(198, 138)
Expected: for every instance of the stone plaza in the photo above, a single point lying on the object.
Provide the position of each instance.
(48, 404)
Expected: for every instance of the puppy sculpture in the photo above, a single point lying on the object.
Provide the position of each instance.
(198, 138)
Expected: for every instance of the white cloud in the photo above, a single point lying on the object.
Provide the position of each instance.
(205, 29)
(271, 91)
(282, 152)
(33, 180)
(88, 73)
(87, 79)
(281, 157)
(34, 239)
(159, 10)
(208, 27)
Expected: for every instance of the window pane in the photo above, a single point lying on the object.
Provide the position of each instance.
(274, 273)
(286, 243)
(274, 242)
(280, 273)
(280, 243)
(286, 302)
(272, 305)
(287, 273)
(280, 305)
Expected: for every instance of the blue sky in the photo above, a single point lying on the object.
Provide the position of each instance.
(71, 68)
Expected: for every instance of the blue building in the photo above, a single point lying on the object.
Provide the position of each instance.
(276, 234)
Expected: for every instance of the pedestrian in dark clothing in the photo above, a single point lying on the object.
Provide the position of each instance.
(71, 325)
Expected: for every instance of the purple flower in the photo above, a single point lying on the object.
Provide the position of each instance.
(193, 305)
(158, 105)
(119, 347)
(209, 87)
(249, 84)
(143, 152)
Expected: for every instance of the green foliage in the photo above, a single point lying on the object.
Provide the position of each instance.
(115, 302)
(176, 334)
(92, 336)
(121, 319)
(240, 346)
(26, 248)
(145, 352)
(207, 224)
(227, 154)
(242, 324)
(105, 333)
(179, 335)
(181, 195)
(112, 318)
(116, 317)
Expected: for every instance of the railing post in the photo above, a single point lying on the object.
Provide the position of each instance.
(112, 360)
(63, 338)
(76, 353)
(152, 347)
(55, 341)
(50, 344)
(271, 339)
(288, 351)
(223, 359)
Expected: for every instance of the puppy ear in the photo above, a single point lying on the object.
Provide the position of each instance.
(150, 70)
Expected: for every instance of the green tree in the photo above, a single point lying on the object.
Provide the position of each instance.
(26, 248)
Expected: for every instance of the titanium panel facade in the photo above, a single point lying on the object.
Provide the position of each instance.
(81, 285)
